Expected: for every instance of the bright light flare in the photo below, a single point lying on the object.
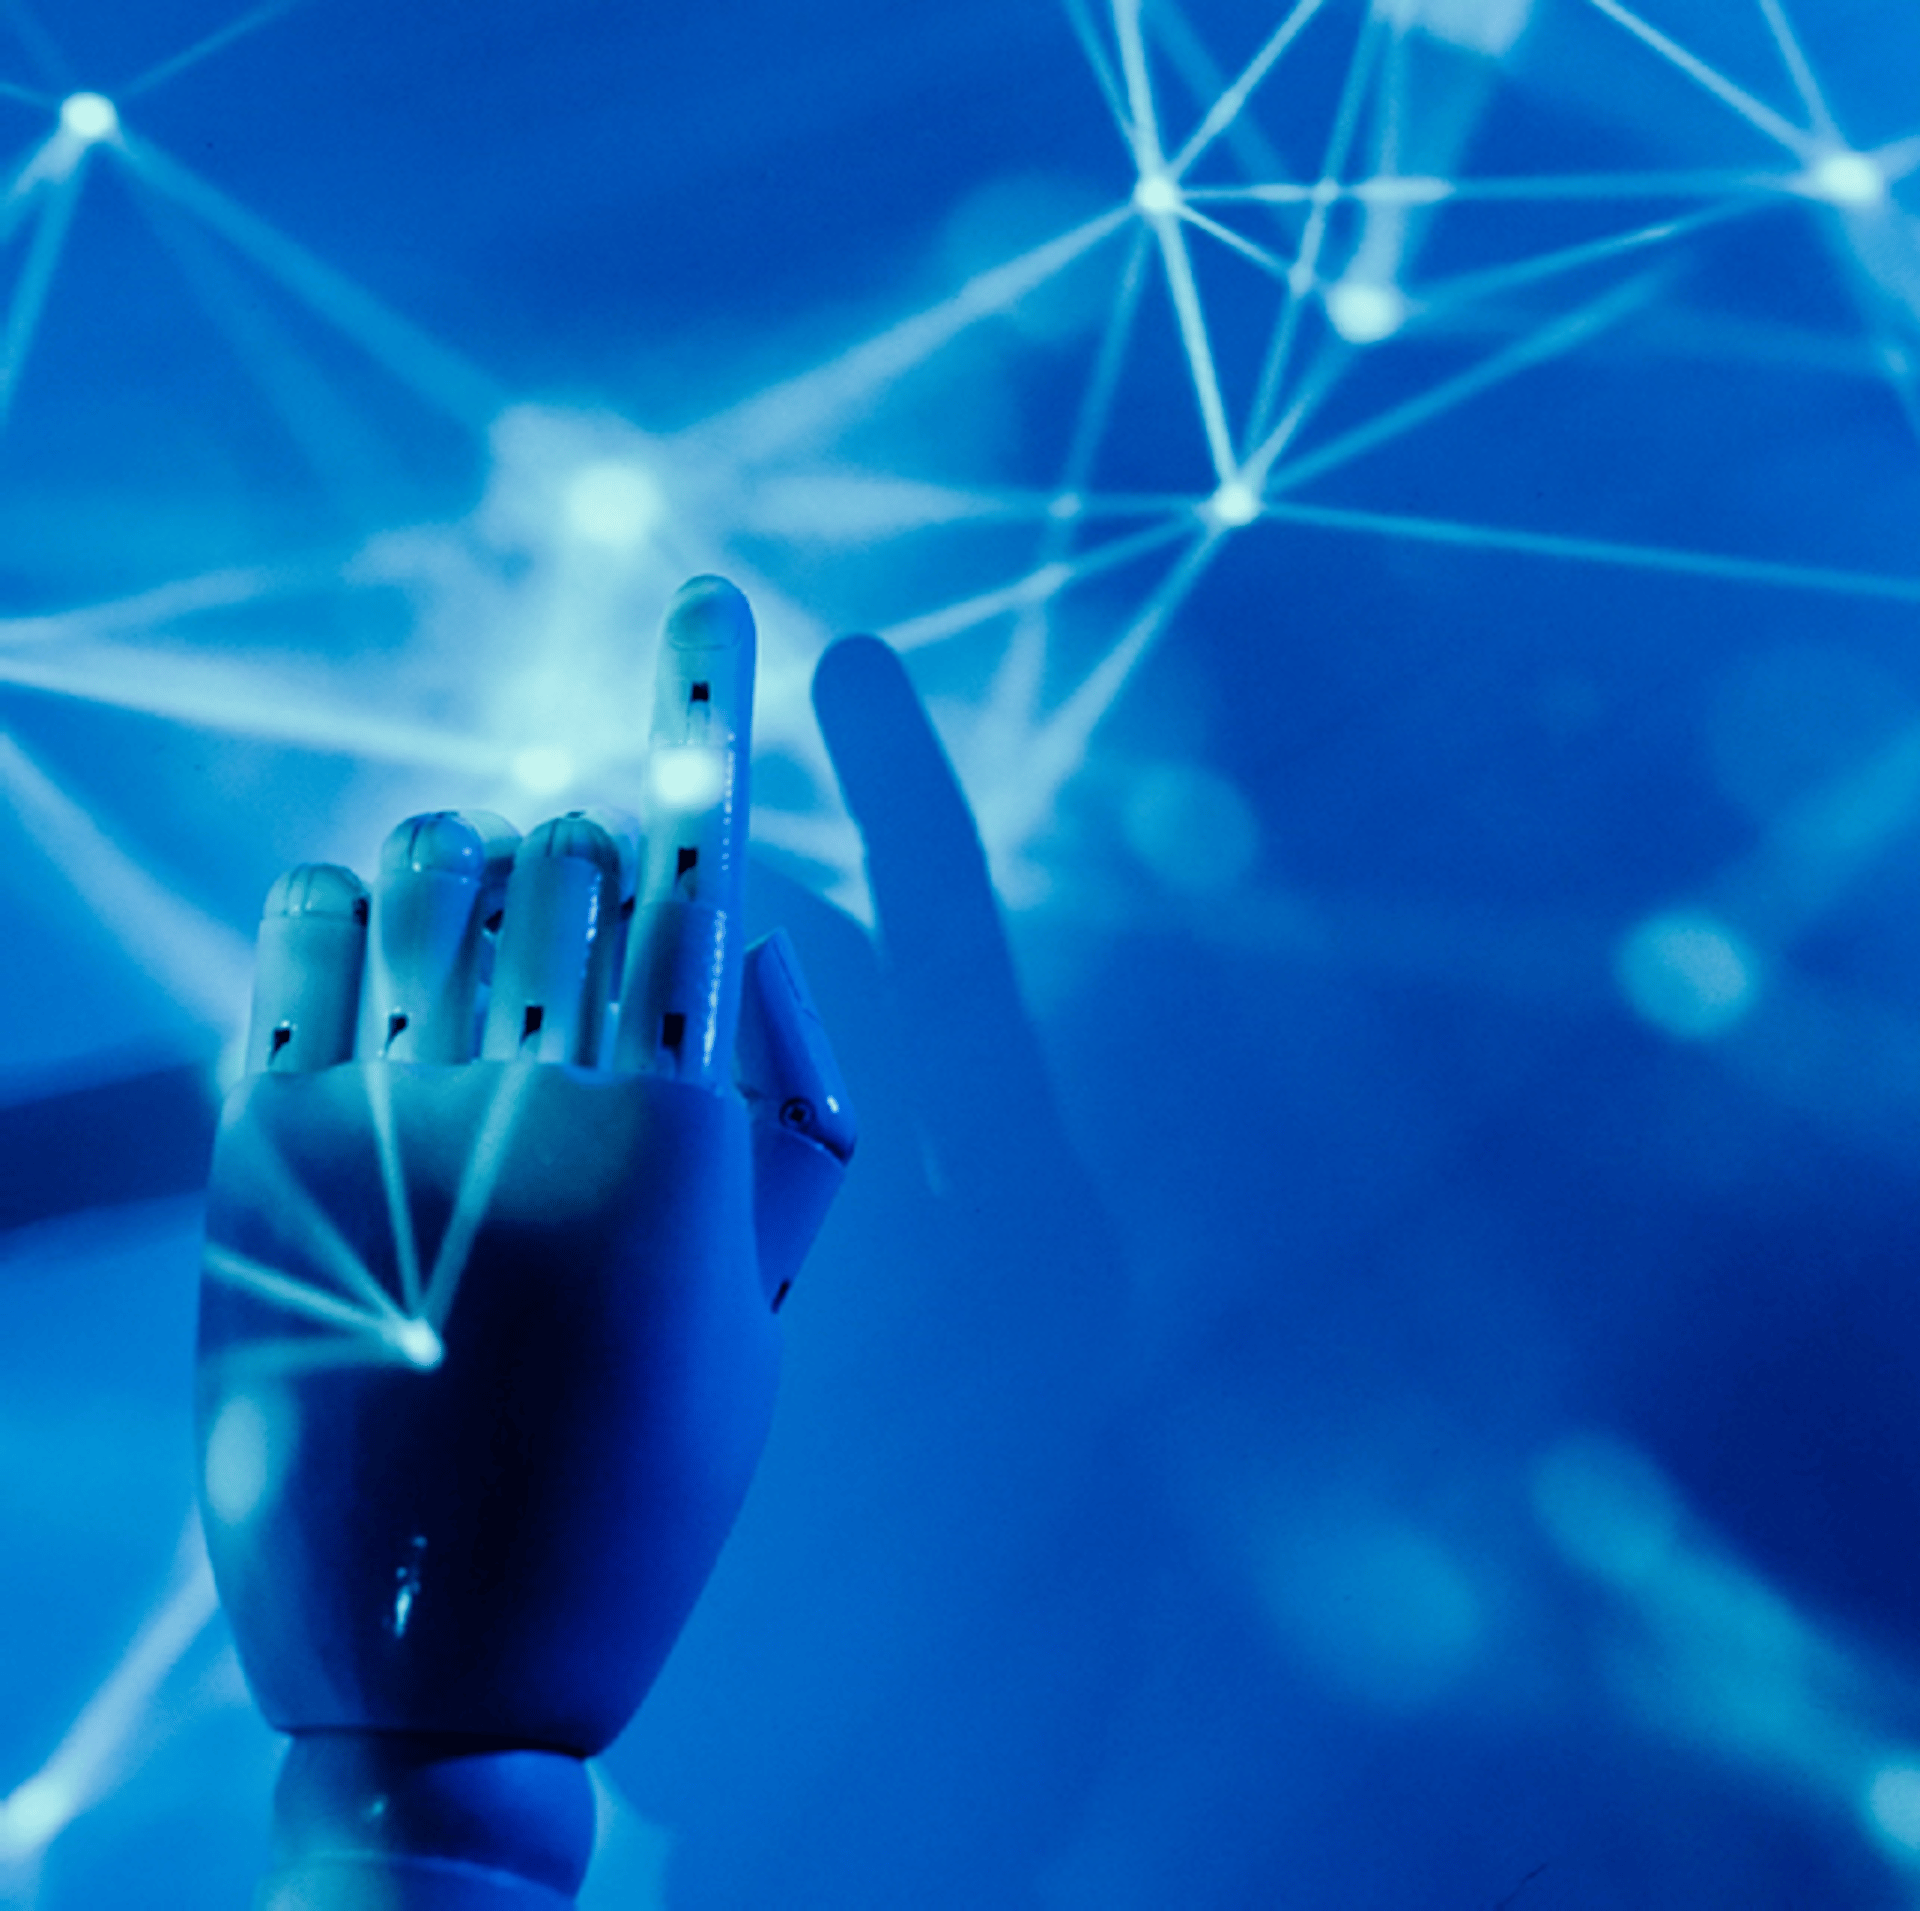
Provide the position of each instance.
(417, 1343)
(1846, 178)
(1156, 195)
(1893, 1805)
(35, 1814)
(687, 778)
(1688, 974)
(1234, 504)
(614, 504)
(1365, 311)
(543, 769)
(88, 117)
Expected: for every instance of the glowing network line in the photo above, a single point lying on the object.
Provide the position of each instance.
(215, 42)
(1067, 733)
(1798, 70)
(1267, 261)
(339, 451)
(1421, 189)
(379, 1326)
(241, 700)
(383, 1326)
(307, 1227)
(1472, 287)
(1098, 62)
(98, 1747)
(800, 411)
(1049, 580)
(202, 962)
(36, 280)
(1227, 108)
(39, 45)
(1204, 81)
(1757, 115)
(154, 610)
(1550, 341)
(473, 1197)
(1579, 550)
(1273, 370)
(1048, 746)
(821, 400)
(437, 374)
(393, 1177)
(1157, 198)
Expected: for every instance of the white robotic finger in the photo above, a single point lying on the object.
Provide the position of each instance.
(308, 964)
(804, 1128)
(550, 976)
(428, 914)
(610, 948)
(682, 997)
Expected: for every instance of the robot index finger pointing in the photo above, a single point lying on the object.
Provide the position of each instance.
(681, 1002)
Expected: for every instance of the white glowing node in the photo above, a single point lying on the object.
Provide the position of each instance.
(418, 1343)
(1847, 179)
(687, 778)
(544, 769)
(1069, 504)
(1234, 504)
(613, 504)
(1363, 311)
(89, 116)
(1157, 195)
(1893, 1805)
(35, 1814)
(1688, 974)
(240, 1459)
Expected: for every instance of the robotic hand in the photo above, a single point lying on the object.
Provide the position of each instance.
(487, 1350)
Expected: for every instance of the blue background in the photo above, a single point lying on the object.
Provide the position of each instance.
(1391, 1379)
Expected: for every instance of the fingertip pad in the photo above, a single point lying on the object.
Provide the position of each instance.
(574, 835)
(708, 613)
(317, 889)
(442, 842)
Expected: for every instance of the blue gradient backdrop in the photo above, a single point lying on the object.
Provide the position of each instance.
(1371, 1358)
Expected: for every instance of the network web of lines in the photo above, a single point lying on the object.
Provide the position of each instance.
(1310, 278)
(1313, 344)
